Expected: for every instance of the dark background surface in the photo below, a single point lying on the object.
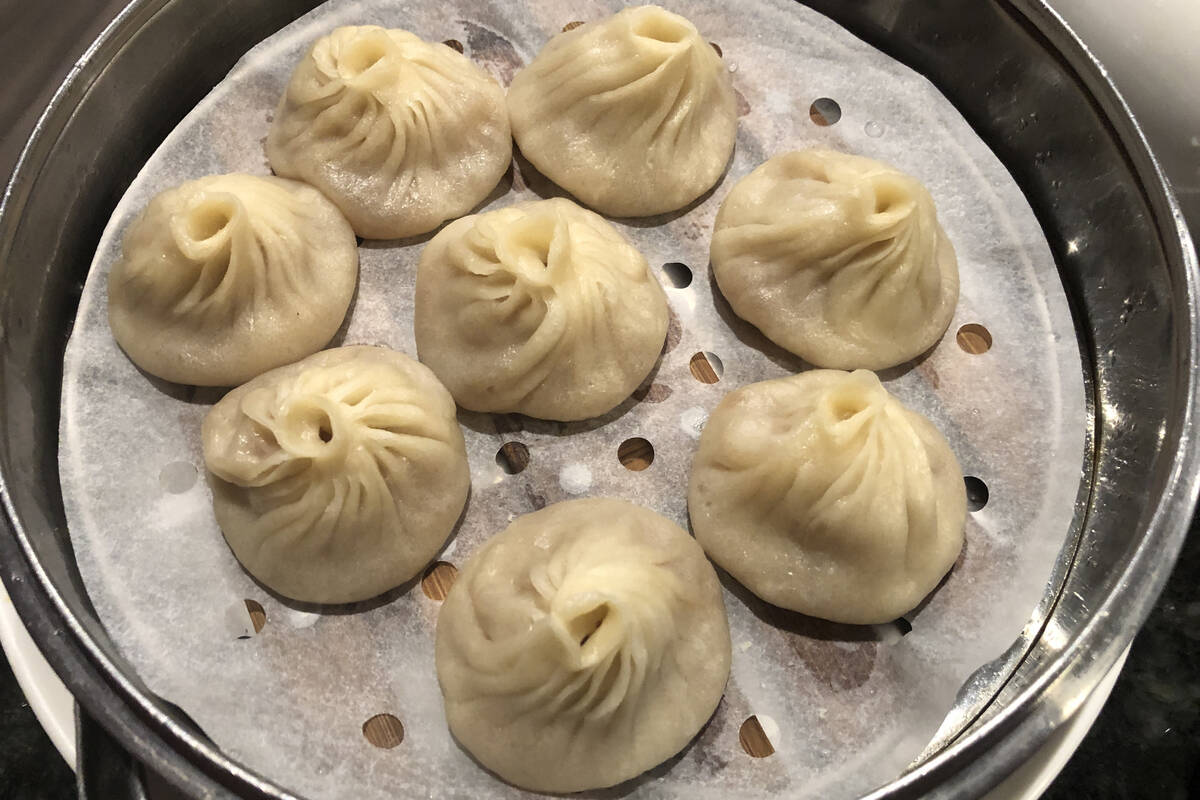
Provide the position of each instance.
(1145, 744)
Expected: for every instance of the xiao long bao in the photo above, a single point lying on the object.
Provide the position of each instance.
(402, 134)
(582, 645)
(634, 114)
(338, 477)
(542, 308)
(224, 277)
(822, 494)
(838, 258)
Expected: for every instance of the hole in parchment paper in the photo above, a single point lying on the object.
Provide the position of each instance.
(512, 457)
(258, 614)
(717, 47)
(977, 493)
(824, 111)
(754, 739)
(706, 367)
(636, 454)
(438, 579)
(384, 731)
(974, 338)
(678, 275)
(177, 477)
(454, 44)
(245, 618)
(903, 625)
(570, 26)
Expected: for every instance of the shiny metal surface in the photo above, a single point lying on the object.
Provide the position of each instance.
(1013, 69)
(33, 71)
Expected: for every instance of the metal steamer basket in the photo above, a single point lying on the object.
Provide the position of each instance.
(1012, 68)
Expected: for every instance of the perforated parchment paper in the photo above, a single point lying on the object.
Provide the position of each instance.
(846, 708)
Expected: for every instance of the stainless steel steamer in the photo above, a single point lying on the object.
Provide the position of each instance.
(1013, 69)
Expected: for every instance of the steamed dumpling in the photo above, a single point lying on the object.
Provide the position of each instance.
(583, 645)
(821, 493)
(542, 308)
(837, 258)
(634, 114)
(227, 276)
(401, 133)
(338, 477)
